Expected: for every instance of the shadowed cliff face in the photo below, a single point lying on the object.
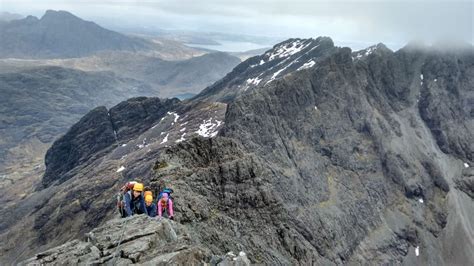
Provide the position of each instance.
(362, 157)
(341, 164)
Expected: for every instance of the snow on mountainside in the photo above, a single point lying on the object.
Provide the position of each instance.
(316, 157)
(284, 58)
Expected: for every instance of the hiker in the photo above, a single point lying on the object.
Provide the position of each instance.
(150, 206)
(121, 197)
(134, 201)
(165, 204)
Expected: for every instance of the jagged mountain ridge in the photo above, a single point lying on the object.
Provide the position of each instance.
(284, 58)
(352, 160)
(40, 102)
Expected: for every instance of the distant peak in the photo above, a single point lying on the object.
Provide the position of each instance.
(296, 45)
(321, 39)
(31, 19)
(60, 14)
(379, 48)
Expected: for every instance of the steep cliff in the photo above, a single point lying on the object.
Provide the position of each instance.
(361, 157)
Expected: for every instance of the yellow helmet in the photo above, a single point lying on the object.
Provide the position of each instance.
(138, 187)
(148, 199)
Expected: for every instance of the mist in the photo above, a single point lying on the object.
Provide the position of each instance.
(353, 23)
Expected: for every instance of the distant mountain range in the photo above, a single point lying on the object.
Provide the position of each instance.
(7, 16)
(59, 34)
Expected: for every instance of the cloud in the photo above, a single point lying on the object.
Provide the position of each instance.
(350, 20)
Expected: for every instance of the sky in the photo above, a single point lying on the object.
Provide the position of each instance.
(354, 23)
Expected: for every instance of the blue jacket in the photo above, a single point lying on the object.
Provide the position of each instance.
(151, 210)
(134, 206)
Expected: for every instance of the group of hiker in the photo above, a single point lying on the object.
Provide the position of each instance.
(135, 198)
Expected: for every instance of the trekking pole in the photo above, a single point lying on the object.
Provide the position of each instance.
(119, 243)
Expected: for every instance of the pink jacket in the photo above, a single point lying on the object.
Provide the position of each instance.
(169, 207)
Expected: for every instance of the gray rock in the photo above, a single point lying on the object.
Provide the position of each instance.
(138, 239)
(346, 162)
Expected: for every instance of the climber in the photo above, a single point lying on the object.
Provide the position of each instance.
(121, 197)
(134, 201)
(165, 204)
(150, 206)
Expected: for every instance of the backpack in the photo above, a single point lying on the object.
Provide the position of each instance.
(128, 186)
(164, 203)
(120, 196)
(167, 191)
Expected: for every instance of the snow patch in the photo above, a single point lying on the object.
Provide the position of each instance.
(165, 139)
(183, 129)
(417, 251)
(278, 73)
(208, 128)
(421, 78)
(241, 254)
(365, 52)
(253, 81)
(176, 116)
(287, 66)
(287, 49)
(307, 65)
(124, 145)
(261, 62)
(466, 165)
(316, 108)
(181, 139)
(370, 50)
(435, 80)
(420, 200)
(121, 168)
(143, 144)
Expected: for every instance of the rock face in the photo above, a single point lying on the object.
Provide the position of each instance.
(351, 160)
(136, 240)
(39, 104)
(100, 129)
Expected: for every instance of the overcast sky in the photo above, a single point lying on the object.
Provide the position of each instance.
(351, 21)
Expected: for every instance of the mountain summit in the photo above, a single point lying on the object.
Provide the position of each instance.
(60, 34)
(286, 57)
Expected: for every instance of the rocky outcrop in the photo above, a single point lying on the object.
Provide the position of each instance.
(137, 240)
(100, 129)
(465, 182)
(76, 146)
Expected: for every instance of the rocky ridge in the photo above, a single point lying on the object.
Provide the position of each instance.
(352, 160)
(137, 240)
